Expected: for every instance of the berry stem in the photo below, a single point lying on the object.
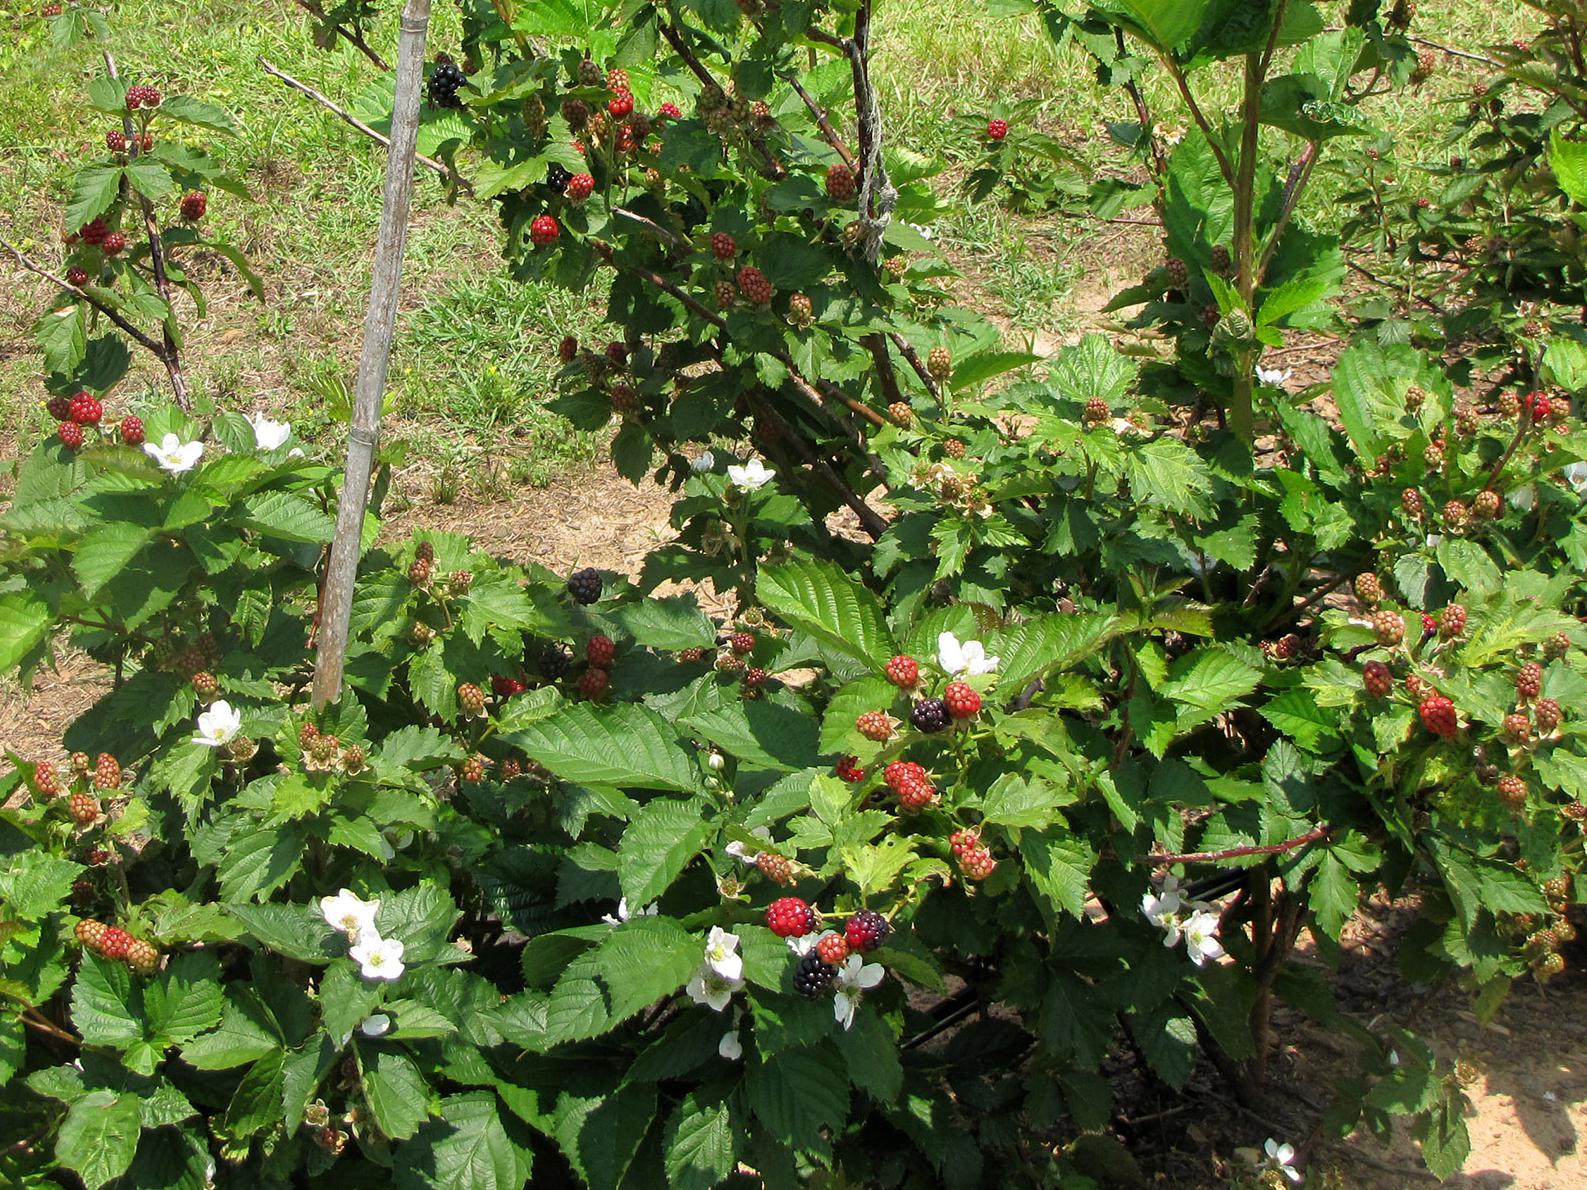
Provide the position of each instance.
(1206, 857)
(132, 332)
(350, 35)
(34, 1019)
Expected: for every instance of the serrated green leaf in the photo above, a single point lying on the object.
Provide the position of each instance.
(95, 188)
(699, 1144)
(819, 598)
(799, 1094)
(657, 845)
(99, 1137)
(395, 1090)
(1059, 865)
(625, 745)
(186, 999)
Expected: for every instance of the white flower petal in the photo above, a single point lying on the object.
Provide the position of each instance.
(218, 725)
(377, 958)
(268, 434)
(377, 1025)
(730, 1047)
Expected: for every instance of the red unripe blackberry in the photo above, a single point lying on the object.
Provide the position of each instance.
(1417, 687)
(543, 231)
(580, 187)
(86, 409)
(1452, 621)
(903, 672)
(59, 408)
(789, 917)
(194, 204)
(115, 942)
(726, 294)
(690, 655)
(71, 435)
(963, 702)
(1388, 627)
(875, 725)
(1518, 727)
(742, 643)
(1486, 505)
(939, 364)
(146, 142)
(953, 448)
(963, 840)
(142, 95)
(900, 773)
(617, 80)
(1097, 412)
(997, 129)
(1557, 645)
(1438, 716)
(1429, 626)
(840, 182)
(114, 242)
(568, 349)
(1222, 263)
(755, 677)
(116, 141)
(589, 74)
(503, 686)
(585, 585)
(801, 311)
(510, 769)
(99, 857)
(848, 769)
(107, 772)
(1536, 406)
(1178, 273)
(473, 770)
(929, 715)
(620, 105)
(776, 868)
(834, 948)
(1529, 681)
(600, 651)
(82, 764)
(977, 863)
(132, 430)
(1375, 676)
(593, 683)
(1512, 791)
(867, 930)
(420, 572)
(1411, 502)
(670, 111)
(577, 113)
(94, 231)
(90, 934)
(1456, 514)
(142, 957)
(76, 276)
(813, 975)
(753, 285)
(910, 782)
(470, 700)
(723, 246)
(1548, 714)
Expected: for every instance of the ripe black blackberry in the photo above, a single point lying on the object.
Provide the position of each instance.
(554, 661)
(557, 178)
(813, 976)
(930, 715)
(445, 80)
(585, 585)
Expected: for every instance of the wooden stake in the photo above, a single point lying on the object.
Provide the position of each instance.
(380, 323)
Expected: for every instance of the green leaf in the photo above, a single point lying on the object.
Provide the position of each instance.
(1059, 865)
(799, 1094)
(107, 1006)
(1209, 681)
(421, 918)
(657, 845)
(104, 554)
(199, 114)
(396, 1091)
(1167, 1038)
(761, 733)
(1023, 800)
(1049, 644)
(62, 339)
(1333, 894)
(1167, 474)
(240, 1038)
(149, 177)
(699, 1144)
(675, 622)
(624, 745)
(601, 1134)
(94, 191)
(259, 861)
(24, 621)
(288, 516)
(819, 598)
(34, 883)
(186, 999)
(465, 1145)
(1568, 159)
(643, 960)
(977, 369)
(99, 1137)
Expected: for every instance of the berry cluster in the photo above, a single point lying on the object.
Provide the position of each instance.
(471, 700)
(790, 917)
(141, 95)
(931, 715)
(973, 857)
(841, 186)
(112, 942)
(903, 672)
(875, 725)
(194, 205)
(778, 869)
(585, 586)
(997, 129)
(911, 783)
(445, 81)
(848, 769)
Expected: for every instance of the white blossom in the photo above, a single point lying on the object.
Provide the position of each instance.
(173, 454)
(804, 944)
(1273, 376)
(1576, 476)
(350, 913)
(721, 954)
(963, 657)
(712, 990)
(1281, 1158)
(1201, 937)
(376, 1025)
(730, 1047)
(1165, 910)
(702, 462)
(623, 913)
(855, 975)
(742, 851)
(219, 725)
(268, 433)
(750, 476)
(378, 958)
(1199, 564)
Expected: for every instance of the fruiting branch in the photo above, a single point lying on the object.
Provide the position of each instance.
(132, 332)
(828, 132)
(170, 357)
(1212, 857)
(380, 322)
(1143, 116)
(348, 118)
(676, 40)
(350, 35)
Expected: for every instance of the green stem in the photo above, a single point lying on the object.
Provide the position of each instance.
(1241, 417)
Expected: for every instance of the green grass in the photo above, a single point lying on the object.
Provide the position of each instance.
(474, 359)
